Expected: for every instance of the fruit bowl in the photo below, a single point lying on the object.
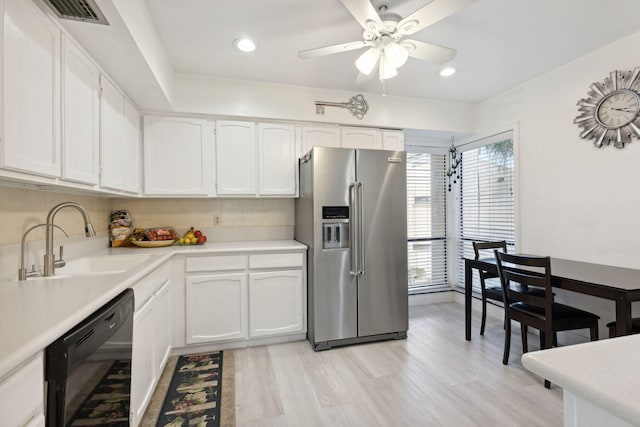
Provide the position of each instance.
(153, 243)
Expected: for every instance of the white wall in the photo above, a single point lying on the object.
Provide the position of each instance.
(235, 98)
(575, 201)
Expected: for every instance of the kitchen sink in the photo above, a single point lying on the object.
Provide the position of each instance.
(102, 264)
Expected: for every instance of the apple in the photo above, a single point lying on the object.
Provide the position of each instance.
(197, 233)
(202, 238)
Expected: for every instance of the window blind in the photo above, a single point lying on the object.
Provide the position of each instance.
(426, 221)
(487, 199)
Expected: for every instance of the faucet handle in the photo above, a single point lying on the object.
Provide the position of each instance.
(60, 262)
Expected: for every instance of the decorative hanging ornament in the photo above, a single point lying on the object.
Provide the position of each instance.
(454, 162)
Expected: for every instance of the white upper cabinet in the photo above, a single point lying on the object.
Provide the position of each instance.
(111, 136)
(31, 87)
(132, 149)
(361, 138)
(393, 140)
(80, 115)
(277, 161)
(235, 158)
(119, 141)
(320, 136)
(177, 156)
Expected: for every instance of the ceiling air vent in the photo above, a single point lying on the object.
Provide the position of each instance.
(78, 10)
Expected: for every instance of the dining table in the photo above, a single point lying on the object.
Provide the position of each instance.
(619, 284)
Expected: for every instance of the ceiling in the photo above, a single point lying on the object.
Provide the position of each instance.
(500, 43)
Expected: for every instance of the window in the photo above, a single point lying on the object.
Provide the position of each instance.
(426, 221)
(487, 201)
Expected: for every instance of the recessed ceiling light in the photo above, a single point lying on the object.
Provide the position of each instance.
(244, 44)
(447, 71)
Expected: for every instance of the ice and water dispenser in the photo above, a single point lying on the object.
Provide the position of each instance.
(335, 227)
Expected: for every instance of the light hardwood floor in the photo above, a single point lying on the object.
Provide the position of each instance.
(433, 378)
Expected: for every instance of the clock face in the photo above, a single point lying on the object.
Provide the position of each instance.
(617, 109)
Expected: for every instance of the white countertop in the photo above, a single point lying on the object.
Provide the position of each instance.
(605, 373)
(37, 311)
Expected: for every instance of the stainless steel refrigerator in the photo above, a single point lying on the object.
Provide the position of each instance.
(352, 214)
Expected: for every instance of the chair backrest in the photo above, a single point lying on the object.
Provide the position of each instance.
(518, 272)
(481, 246)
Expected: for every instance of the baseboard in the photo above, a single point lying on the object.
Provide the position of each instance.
(432, 298)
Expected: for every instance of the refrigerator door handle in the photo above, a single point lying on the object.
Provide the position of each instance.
(361, 265)
(353, 209)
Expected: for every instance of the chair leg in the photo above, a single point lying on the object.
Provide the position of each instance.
(547, 384)
(525, 341)
(555, 339)
(507, 342)
(484, 308)
(542, 340)
(594, 333)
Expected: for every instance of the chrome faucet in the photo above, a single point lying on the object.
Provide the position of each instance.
(22, 272)
(49, 256)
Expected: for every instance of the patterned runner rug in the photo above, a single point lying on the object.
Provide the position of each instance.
(195, 392)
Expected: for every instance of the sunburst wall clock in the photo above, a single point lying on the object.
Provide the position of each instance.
(609, 114)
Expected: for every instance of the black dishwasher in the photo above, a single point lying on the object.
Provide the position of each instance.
(88, 369)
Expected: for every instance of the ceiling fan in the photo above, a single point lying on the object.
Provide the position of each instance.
(384, 36)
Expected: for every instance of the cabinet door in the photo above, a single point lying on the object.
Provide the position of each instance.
(393, 140)
(144, 373)
(22, 393)
(80, 115)
(162, 326)
(361, 138)
(276, 160)
(111, 136)
(320, 136)
(31, 85)
(176, 156)
(275, 303)
(131, 149)
(235, 158)
(216, 307)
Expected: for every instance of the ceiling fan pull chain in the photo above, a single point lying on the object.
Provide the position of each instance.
(357, 105)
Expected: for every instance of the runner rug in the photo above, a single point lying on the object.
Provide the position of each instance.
(195, 392)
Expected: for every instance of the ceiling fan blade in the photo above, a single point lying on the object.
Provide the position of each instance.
(365, 14)
(428, 52)
(330, 50)
(430, 14)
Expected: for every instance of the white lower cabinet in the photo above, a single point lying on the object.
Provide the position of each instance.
(144, 375)
(216, 307)
(151, 342)
(232, 297)
(275, 303)
(22, 395)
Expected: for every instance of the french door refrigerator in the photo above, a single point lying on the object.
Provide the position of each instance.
(352, 215)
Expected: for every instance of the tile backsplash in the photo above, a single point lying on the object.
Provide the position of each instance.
(222, 219)
(219, 219)
(23, 208)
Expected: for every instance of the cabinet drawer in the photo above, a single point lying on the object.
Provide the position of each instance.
(150, 284)
(22, 393)
(216, 263)
(276, 260)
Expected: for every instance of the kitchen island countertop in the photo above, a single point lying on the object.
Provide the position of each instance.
(37, 311)
(605, 373)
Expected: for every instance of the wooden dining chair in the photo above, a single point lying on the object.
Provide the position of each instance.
(540, 312)
(635, 327)
(493, 292)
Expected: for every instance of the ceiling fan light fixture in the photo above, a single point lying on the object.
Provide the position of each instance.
(386, 70)
(396, 55)
(368, 61)
(244, 44)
